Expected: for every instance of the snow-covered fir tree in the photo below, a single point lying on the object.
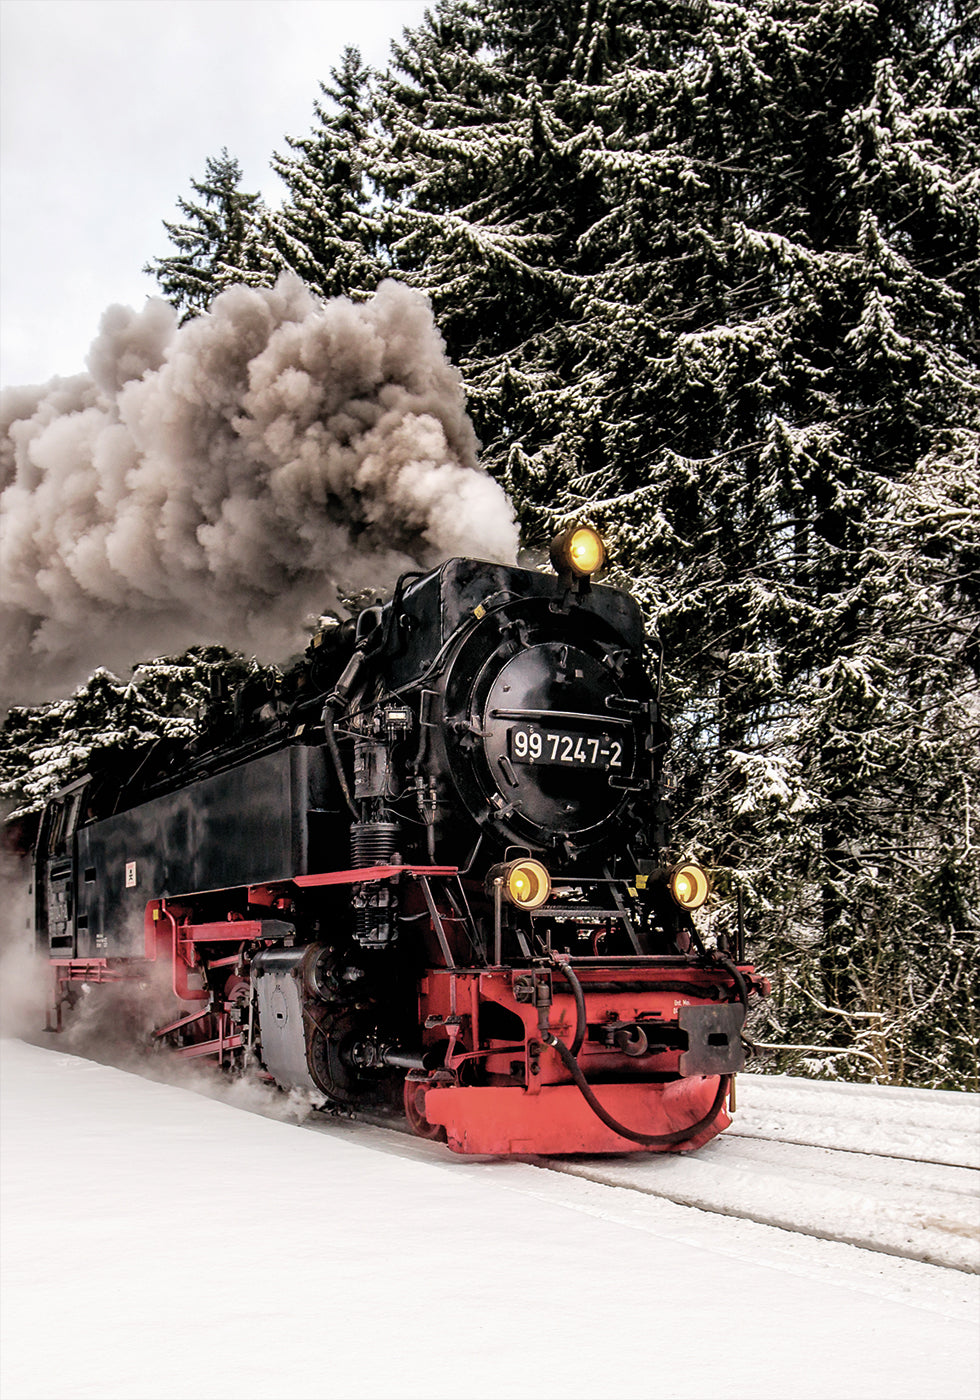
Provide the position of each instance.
(44, 747)
(710, 272)
(488, 201)
(222, 241)
(330, 230)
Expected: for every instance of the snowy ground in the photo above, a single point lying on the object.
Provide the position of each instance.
(157, 1243)
(890, 1170)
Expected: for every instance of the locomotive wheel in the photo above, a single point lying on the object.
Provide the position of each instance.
(330, 1067)
(237, 991)
(415, 1112)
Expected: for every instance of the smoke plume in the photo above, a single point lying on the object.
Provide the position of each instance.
(222, 481)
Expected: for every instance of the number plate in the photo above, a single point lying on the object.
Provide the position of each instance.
(529, 743)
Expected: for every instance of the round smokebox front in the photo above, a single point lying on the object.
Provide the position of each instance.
(553, 745)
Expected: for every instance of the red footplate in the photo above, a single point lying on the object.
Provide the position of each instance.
(557, 1119)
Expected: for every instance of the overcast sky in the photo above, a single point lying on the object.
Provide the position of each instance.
(110, 108)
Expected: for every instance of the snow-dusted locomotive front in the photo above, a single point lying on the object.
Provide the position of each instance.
(436, 876)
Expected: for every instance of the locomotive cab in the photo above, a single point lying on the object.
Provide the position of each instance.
(55, 865)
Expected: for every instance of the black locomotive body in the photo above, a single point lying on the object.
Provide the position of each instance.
(436, 877)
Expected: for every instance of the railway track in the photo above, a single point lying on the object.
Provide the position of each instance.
(563, 1283)
(909, 1209)
(893, 1171)
(923, 1125)
(887, 1171)
(775, 1169)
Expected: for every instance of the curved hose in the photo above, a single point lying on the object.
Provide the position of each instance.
(579, 996)
(726, 962)
(743, 995)
(569, 1056)
(647, 1139)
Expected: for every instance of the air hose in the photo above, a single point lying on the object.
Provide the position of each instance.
(743, 995)
(726, 962)
(569, 1059)
(647, 1139)
(579, 996)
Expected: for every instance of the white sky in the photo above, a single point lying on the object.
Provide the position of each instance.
(110, 108)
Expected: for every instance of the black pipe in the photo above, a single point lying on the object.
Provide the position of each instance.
(403, 1059)
(646, 1139)
(579, 995)
(743, 992)
(338, 764)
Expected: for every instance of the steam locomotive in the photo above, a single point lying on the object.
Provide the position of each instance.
(431, 880)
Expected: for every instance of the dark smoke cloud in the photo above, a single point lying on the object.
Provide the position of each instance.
(224, 480)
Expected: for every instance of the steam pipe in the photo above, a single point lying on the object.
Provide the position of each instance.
(338, 764)
(403, 1059)
(338, 697)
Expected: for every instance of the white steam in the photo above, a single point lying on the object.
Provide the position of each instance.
(223, 481)
(114, 1023)
(24, 979)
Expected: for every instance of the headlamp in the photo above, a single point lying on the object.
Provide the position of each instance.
(689, 885)
(526, 883)
(579, 551)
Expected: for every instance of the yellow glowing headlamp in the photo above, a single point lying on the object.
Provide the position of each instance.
(689, 884)
(525, 883)
(579, 551)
